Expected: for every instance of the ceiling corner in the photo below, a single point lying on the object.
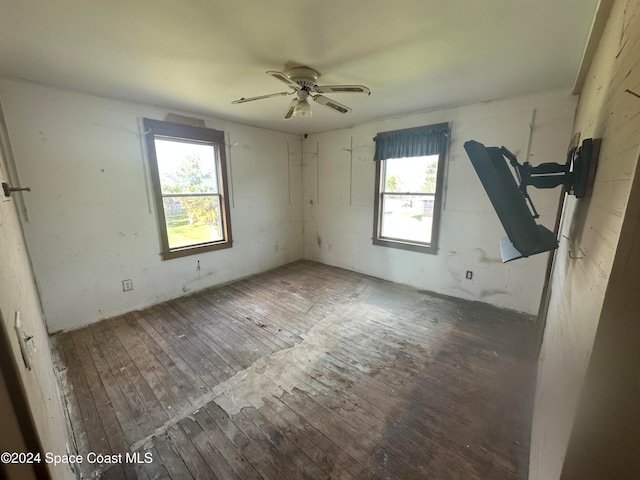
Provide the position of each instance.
(600, 18)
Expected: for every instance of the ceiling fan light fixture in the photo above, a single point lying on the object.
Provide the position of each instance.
(303, 81)
(302, 109)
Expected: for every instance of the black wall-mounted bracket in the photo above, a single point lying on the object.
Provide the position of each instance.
(576, 174)
(7, 189)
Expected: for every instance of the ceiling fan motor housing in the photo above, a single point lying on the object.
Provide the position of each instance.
(306, 77)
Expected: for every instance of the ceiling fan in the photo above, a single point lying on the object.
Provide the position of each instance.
(304, 83)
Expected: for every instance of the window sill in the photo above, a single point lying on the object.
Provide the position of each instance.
(194, 250)
(403, 245)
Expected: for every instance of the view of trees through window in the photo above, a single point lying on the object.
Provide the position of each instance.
(190, 195)
(408, 198)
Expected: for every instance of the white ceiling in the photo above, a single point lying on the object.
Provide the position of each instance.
(199, 55)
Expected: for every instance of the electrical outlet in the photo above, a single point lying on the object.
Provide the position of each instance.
(469, 275)
(127, 285)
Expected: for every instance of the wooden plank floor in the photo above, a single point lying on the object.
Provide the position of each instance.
(304, 372)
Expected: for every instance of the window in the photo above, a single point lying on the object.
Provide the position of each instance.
(409, 177)
(188, 170)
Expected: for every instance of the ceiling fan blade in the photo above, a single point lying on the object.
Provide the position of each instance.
(342, 89)
(251, 99)
(292, 107)
(327, 102)
(283, 78)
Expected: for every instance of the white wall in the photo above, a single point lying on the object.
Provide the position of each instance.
(18, 294)
(581, 287)
(338, 205)
(91, 217)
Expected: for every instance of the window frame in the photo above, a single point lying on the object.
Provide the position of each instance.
(378, 239)
(194, 135)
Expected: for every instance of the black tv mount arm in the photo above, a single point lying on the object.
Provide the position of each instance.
(575, 174)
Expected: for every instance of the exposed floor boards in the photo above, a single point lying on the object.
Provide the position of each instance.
(304, 372)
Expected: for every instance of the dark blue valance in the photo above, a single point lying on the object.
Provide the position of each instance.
(412, 142)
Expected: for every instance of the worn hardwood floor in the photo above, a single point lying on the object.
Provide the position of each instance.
(304, 372)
